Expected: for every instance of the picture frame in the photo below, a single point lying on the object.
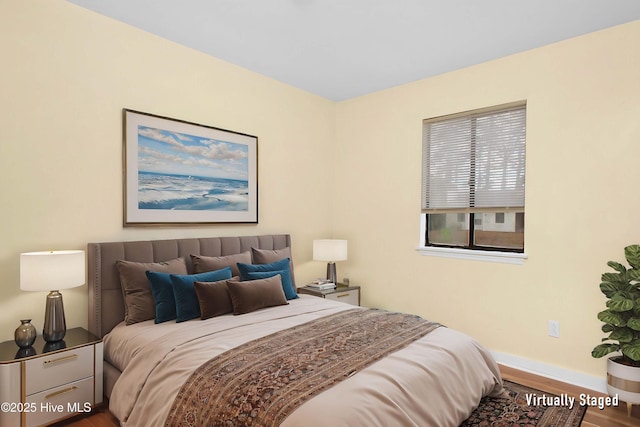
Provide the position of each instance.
(179, 172)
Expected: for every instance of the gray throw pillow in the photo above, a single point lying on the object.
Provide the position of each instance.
(136, 289)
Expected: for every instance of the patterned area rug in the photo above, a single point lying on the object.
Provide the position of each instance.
(515, 412)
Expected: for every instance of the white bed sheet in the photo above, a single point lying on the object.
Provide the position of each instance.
(436, 381)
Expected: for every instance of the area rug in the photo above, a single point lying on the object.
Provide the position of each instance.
(553, 410)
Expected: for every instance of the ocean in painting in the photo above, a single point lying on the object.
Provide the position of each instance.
(186, 192)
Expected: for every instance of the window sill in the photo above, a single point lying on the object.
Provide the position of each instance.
(468, 254)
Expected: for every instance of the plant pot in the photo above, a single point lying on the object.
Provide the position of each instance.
(624, 381)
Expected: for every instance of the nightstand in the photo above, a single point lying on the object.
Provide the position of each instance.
(50, 381)
(343, 293)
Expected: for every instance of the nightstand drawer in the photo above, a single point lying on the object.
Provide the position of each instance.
(62, 367)
(350, 297)
(60, 402)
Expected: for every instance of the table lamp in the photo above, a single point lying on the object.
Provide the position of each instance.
(330, 250)
(52, 271)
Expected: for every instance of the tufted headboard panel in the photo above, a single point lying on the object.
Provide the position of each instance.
(106, 303)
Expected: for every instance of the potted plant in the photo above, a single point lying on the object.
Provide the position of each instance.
(622, 323)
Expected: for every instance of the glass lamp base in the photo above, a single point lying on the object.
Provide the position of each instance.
(331, 273)
(55, 326)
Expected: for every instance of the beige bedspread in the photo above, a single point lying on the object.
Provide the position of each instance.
(436, 381)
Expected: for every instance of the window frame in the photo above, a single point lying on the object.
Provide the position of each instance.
(501, 257)
(471, 212)
(471, 233)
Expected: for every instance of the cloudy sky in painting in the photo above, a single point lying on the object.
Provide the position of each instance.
(168, 152)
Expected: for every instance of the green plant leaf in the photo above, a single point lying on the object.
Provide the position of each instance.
(609, 289)
(636, 309)
(633, 323)
(615, 319)
(632, 254)
(604, 349)
(633, 275)
(632, 351)
(623, 335)
(620, 303)
(617, 266)
(618, 278)
(607, 328)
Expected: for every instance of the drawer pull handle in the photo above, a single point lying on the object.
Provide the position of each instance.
(342, 295)
(60, 359)
(59, 392)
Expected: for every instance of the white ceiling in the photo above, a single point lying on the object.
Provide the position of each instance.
(341, 49)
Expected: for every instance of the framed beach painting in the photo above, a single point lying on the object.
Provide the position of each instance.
(177, 172)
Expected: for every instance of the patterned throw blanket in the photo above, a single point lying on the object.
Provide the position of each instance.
(263, 381)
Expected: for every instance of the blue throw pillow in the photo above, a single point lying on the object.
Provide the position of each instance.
(187, 306)
(263, 271)
(162, 292)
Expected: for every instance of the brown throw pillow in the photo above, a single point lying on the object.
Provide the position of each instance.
(214, 298)
(267, 256)
(138, 300)
(252, 295)
(202, 264)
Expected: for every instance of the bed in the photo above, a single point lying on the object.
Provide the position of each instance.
(173, 372)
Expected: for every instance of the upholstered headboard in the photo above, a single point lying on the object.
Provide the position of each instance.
(106, 303)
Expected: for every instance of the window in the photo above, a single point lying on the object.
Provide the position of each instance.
(473, 172)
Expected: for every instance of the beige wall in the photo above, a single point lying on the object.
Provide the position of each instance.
(583, 146)
(66, 74)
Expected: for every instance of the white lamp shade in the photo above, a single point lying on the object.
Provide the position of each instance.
(329, 250)
(54, 270)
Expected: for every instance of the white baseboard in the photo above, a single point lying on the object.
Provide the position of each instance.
(553, 372)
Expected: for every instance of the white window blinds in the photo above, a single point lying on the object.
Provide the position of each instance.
(475, 162)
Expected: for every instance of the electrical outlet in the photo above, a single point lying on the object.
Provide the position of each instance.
(554, 328)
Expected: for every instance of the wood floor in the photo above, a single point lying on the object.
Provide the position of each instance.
(609, 417)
